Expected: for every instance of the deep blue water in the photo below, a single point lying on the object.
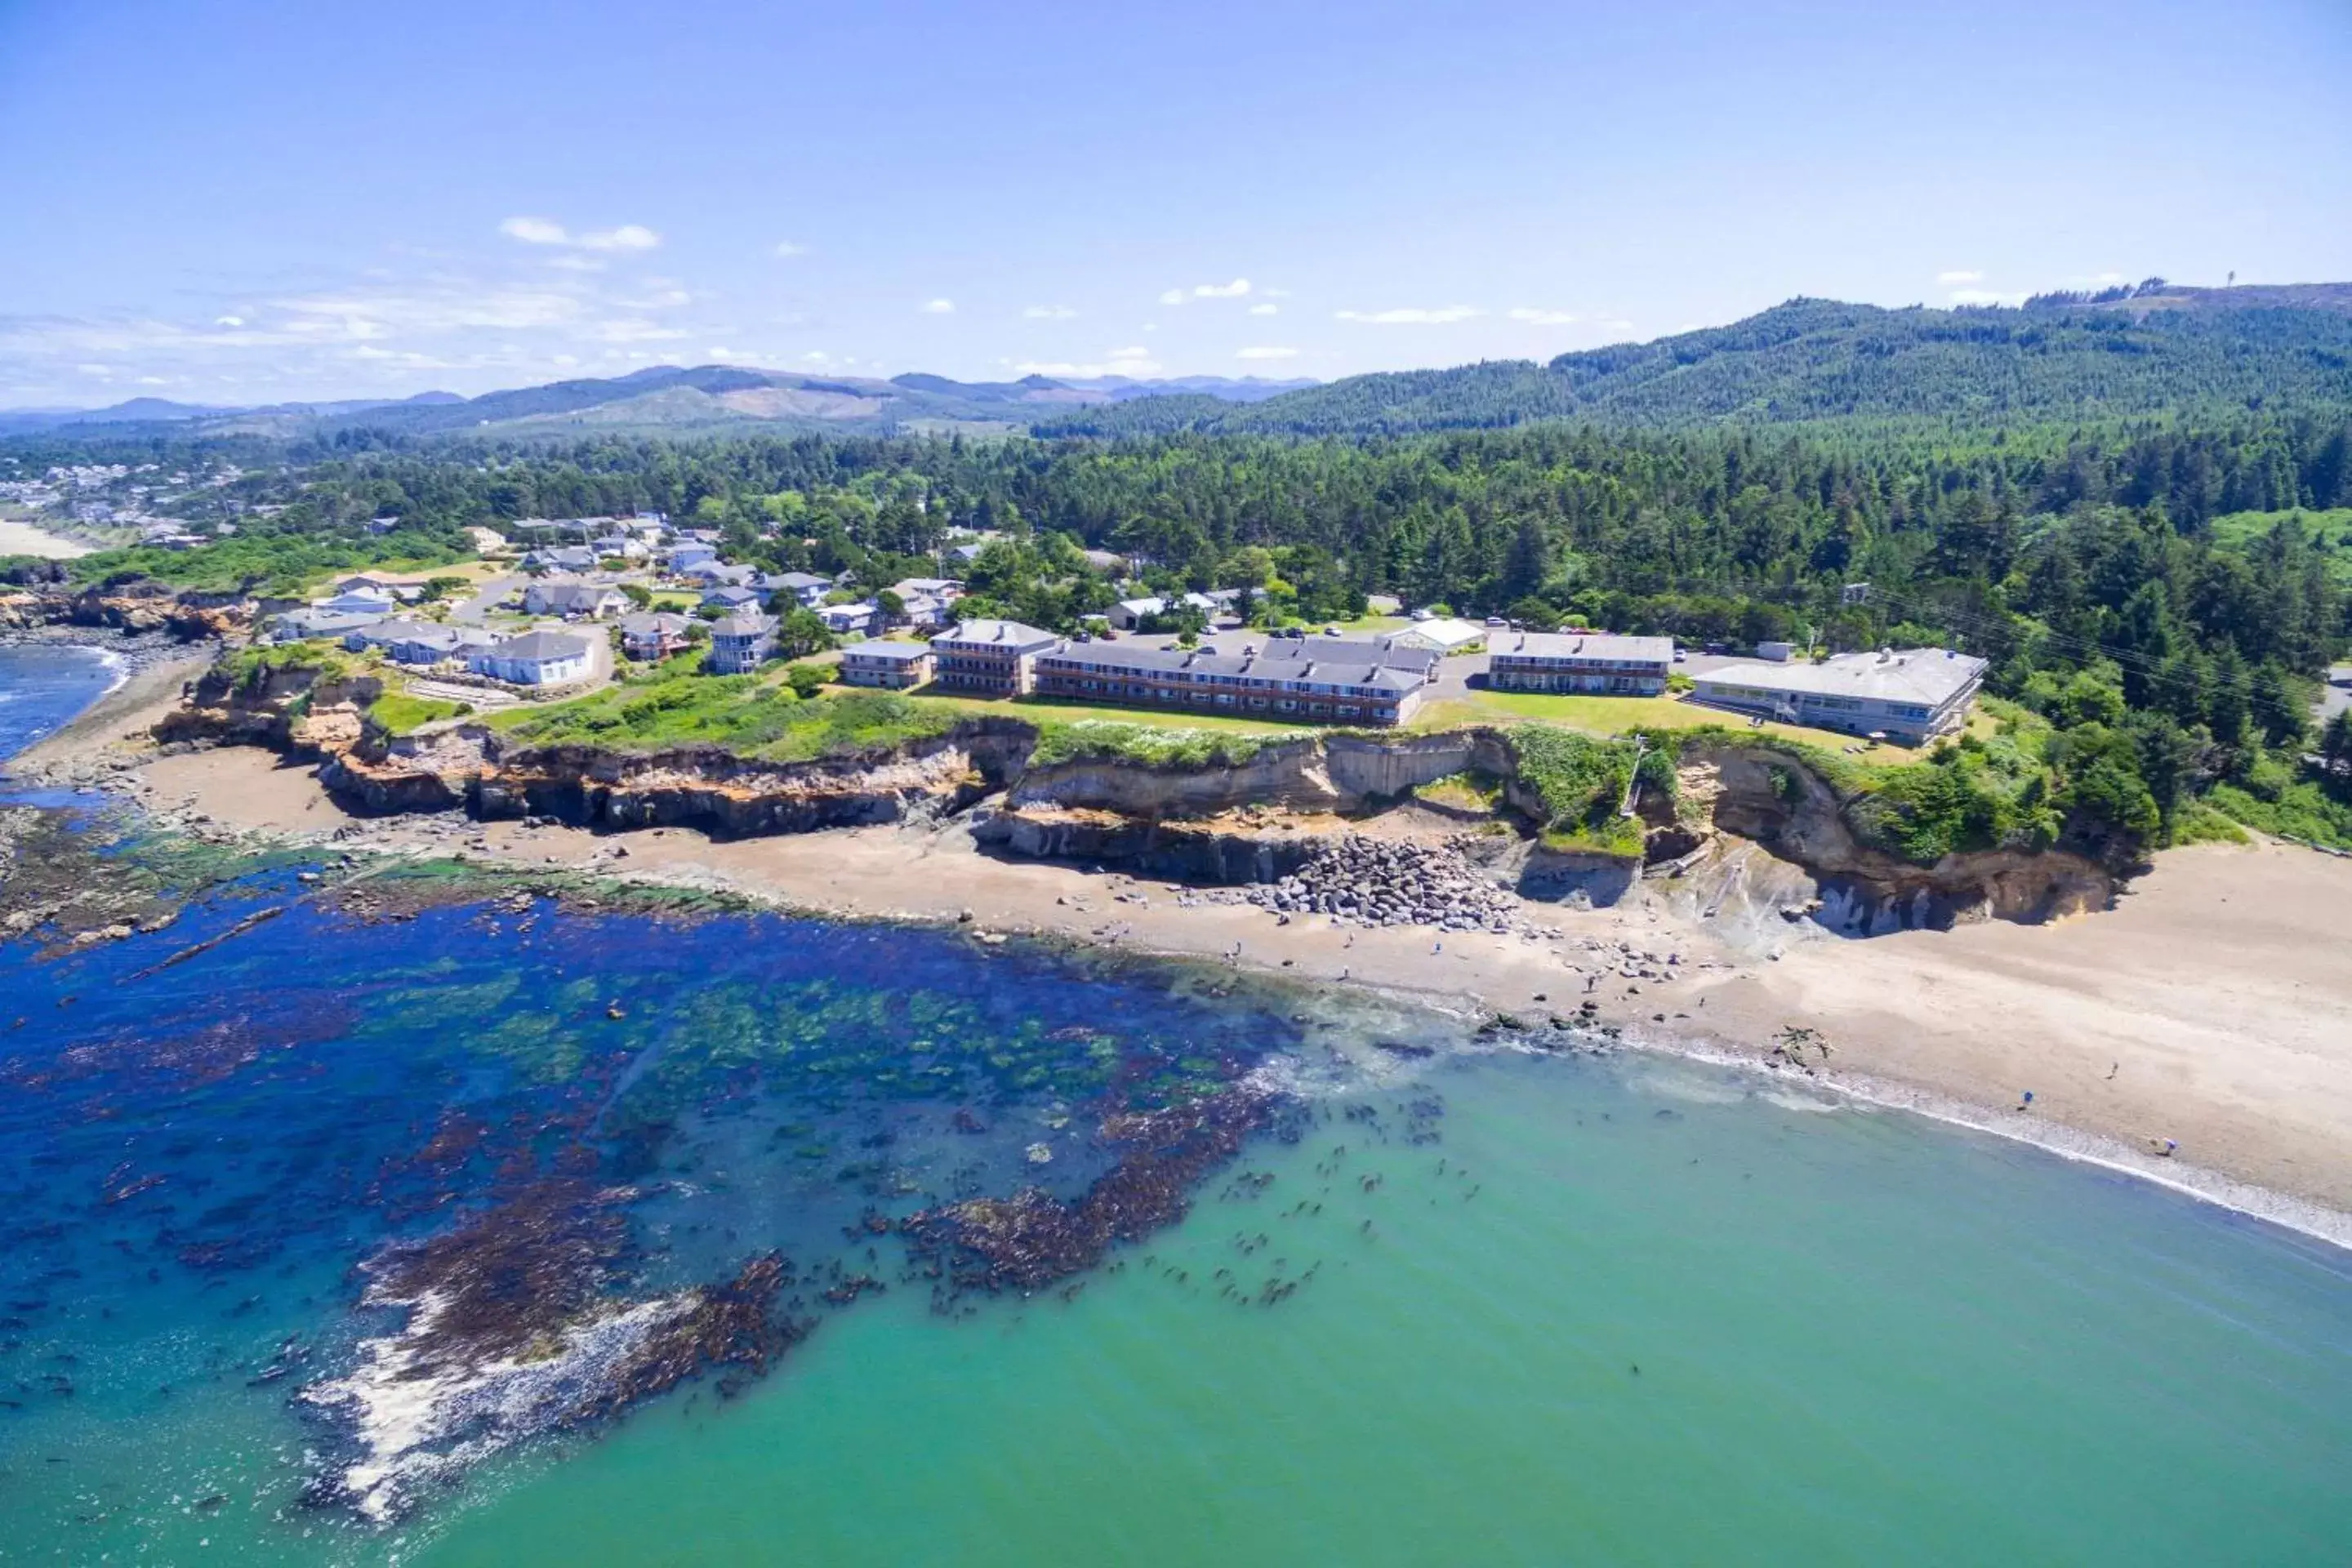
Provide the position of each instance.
(42, 689)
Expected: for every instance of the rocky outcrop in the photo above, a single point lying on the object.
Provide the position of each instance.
(1222, 851)
(300, 710)
(1833, 875)
(1312, 773)
(143, 607)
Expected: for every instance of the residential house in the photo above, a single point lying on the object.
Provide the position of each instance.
(716, 575)
(861, 619)
(923, 612)
(652, 635)
(805, 587)
(560, 558)
(574, 599)
(1352, 689)
(1910, 695)
(683, 558)
(361, 602)
(1580, 661)
(1128, 614)
(946, 589)
(993, 658)
(733, 598)
(1440, 633)
(422, 642)
(740, 643)
(534, 658)
(312, 621)
(894, 665)
(625, 546)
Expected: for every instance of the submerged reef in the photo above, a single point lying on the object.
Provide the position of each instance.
(439, 1163)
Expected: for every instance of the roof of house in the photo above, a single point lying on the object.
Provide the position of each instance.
(1346, 670)
(799, 580)
(1444, 629)
(731, 594)
(892, 652)
(1011, 635)
(1927, 675)
(744, 624)
(1420, 660)
(540, 647)
(656, 623)
(1585, 644)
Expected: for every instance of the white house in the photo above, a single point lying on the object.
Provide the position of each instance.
(360, 602)
(534, 658)
(1439, 634)
(1909, 695)
(627, 546)
(860, 619)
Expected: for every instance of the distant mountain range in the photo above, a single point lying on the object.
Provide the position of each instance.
(669, 397)
(2151, 348)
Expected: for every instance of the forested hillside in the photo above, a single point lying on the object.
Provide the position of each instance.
(2165, 351)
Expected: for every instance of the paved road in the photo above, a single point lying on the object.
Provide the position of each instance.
(474, 611)
(2338, 695)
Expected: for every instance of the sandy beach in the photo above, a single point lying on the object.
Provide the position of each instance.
(2209, 1008)
(24, 539)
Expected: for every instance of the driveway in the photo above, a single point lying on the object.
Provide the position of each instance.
(474, 610)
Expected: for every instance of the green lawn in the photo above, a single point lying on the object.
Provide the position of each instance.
(1617, 715)
(1047, 708)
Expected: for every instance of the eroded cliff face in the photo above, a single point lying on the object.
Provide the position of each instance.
(1826, 871)
(1756, 833)
(298, 711)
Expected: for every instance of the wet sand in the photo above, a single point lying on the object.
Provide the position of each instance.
(2211, 1007)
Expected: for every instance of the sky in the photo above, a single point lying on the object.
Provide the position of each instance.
(249, 201)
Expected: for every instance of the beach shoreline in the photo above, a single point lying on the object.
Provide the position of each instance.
(2205, 1009)
(2167, 1017)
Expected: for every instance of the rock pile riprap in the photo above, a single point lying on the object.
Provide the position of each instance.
(1380, 882)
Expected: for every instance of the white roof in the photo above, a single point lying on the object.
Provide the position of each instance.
(1930, 677)
(1445, 631)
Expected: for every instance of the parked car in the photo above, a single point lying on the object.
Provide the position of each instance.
(1330, 631)
(1681, 655)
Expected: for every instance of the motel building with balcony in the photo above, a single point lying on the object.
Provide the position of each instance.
(1346, 686)
(989, 658)
(1580, 661)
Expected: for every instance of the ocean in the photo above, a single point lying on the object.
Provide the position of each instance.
(1302, 1275)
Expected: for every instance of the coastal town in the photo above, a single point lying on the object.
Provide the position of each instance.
(635, 591)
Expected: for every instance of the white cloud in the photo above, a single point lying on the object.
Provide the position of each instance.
(1260, 353)
(535, 231)
(1232, 290)
(1049, 313)
(1535, 317)
(1264, 310)
(1413, 316)
(1958, 276)
(633, 329)
(228, 320)
(1985, 297)
(568, 262)
(1119, 362)
(788, 248)
(547, 231)
(154, 380)
(815, 356)
(937, 307)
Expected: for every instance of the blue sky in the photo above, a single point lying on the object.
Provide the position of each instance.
(258, 199)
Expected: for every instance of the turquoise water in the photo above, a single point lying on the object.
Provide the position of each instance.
(1558, 1308)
